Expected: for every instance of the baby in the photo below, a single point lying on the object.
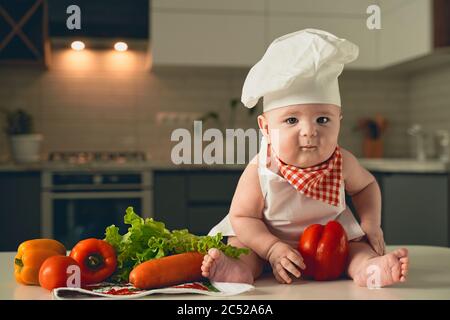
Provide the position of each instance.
(301, 174)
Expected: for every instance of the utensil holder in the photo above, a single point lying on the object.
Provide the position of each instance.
(373, 148)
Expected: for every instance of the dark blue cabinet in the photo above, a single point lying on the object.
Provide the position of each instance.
(415, 209)
(20, 207)
(196, 199)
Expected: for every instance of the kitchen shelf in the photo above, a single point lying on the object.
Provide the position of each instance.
(24, 32)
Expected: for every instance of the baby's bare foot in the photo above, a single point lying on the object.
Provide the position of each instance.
(391, 268)
(218, 267)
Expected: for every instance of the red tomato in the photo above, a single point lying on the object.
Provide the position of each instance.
(324, 250)
(54, 272)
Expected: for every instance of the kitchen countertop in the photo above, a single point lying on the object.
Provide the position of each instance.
(379, 165)
(148, 165)
(429, 278)
(405, 165)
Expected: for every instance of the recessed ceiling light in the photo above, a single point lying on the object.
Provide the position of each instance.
(120, 46)
(77, 45)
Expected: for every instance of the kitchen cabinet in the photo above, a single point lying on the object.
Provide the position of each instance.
(24, 33)
(416, 209)
(255, 6)
(352, 28)
(237, 33)
(407, 31)
(196, 200)
(406, 27)
(20, 203)
(206, 39)
(346, 19)
(318, 7)
(169, 198)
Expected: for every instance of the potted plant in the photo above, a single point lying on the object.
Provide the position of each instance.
(25, 145)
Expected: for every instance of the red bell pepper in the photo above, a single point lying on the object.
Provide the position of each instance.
(324, 250)
(97, 259)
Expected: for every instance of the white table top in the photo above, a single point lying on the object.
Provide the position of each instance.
(429, 278)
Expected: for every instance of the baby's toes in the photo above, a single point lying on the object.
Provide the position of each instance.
(207, 261)
(404, 261)
(403, 276)
(205, 274)
(405, 267)
(214, 253)
(204, 268)
(401, 253)
(404, 270)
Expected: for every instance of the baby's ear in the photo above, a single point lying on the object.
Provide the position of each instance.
(264, 126)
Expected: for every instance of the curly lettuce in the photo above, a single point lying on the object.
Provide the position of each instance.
(148, 239)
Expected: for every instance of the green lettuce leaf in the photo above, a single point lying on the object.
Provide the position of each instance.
(148, 239)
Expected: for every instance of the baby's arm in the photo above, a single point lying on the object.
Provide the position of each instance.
(246, 213)
(361, 185)
(246, 217)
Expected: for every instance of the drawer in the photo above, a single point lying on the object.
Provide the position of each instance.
(202, 218)
(212, 186)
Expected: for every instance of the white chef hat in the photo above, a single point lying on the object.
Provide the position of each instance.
(300, 67)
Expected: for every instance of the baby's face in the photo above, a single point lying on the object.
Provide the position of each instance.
(302, 135)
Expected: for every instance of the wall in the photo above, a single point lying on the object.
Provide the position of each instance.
(430, 101)
(100, 101)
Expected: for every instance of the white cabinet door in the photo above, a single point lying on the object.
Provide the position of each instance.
(206, 39)
(406, 30)
(322, 7)
(210, 5)
(352, 28)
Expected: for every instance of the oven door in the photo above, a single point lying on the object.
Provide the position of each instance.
(81, 216)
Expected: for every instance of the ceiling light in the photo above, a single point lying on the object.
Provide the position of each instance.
(120, 46)
(77, 45)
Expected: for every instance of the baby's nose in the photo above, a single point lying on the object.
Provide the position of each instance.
(308, 130)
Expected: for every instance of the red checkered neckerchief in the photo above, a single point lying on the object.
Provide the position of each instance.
(321, 182)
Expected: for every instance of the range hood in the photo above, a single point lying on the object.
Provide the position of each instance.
(27, 26)
(101, 19)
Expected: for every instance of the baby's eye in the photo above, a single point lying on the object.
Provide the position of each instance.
(323, 120)
(291, 120)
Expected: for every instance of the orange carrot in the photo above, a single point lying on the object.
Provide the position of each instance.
(167, 271)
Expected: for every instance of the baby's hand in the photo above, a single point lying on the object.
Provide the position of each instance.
(375, 236)
(282, 258)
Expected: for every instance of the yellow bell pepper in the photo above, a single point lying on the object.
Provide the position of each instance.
(31, 255)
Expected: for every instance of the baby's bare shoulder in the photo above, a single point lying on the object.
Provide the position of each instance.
(348, 159)
(248, 199)
(250, 175)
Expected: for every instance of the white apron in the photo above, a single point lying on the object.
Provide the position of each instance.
(288, 212)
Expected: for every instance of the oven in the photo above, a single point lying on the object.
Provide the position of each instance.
(80, 205)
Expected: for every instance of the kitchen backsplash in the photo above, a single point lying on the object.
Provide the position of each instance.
(102, 102)
(430, 101)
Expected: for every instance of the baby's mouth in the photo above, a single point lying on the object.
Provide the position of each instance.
(308, 148)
